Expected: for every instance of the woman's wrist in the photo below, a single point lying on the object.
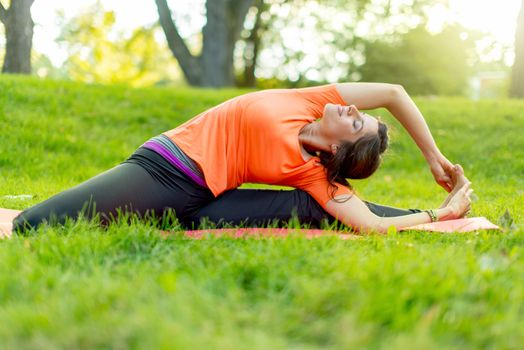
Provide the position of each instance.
(433, 155)
(440, 214)
(446, 213)
(432, 214)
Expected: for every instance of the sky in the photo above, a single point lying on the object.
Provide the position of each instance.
(497, 17)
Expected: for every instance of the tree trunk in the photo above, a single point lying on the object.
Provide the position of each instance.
(225, 20)
(19, 36)
(188, 63)
(517, 72)
(214, 66)
(214, 57)
(253, 48)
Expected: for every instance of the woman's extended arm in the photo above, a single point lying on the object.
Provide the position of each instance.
(396, 100)
(353, 212)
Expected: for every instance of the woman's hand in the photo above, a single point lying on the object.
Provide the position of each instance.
(458, 179)
(459, 204)
(442, 170)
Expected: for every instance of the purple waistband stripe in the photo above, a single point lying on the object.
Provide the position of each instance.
(158, 148)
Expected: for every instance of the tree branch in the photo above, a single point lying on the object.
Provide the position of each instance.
(177, 45)
(3, 13)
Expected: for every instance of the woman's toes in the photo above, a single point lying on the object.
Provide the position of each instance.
(458, 171)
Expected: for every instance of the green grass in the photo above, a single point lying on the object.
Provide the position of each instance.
(128, 287)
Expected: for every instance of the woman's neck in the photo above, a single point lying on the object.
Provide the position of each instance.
(310, 141)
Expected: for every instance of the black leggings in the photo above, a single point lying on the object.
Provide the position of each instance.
(149, 186)
(252, 207)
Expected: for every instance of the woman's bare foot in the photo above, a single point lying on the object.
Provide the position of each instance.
(459, 180)
(5, 229)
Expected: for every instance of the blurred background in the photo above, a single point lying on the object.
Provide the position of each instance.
(472, 48)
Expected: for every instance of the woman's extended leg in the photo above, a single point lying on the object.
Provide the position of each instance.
(119, 187)
(261, 207)
(250, 207)
(128, 187)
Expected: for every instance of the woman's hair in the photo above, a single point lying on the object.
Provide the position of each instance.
(355, 160)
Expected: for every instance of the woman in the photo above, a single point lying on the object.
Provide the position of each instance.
(311, 139)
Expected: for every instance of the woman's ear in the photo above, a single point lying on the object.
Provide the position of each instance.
(334, 149)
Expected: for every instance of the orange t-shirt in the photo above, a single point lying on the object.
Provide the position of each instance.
(254, 138)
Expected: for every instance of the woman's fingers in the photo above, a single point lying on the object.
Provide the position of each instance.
(459, 169)
(446, 185)
(442, 171)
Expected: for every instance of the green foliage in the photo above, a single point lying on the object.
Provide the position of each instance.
(100, 54)
(422, 62)
(44, 68)
(307, 42)
(83, 287)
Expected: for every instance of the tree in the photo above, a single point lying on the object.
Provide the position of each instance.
(18, 26)
(517, 72)
(326, 27)
(99, 54)
(214, 66)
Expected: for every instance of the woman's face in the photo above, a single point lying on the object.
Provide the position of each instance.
(346, 123)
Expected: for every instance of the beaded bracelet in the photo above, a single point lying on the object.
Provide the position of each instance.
(432, 215)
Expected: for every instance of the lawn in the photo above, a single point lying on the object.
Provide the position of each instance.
(129, 287)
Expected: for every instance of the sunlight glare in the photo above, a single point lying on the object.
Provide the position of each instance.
(497, 17)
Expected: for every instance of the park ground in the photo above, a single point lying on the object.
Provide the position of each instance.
(80, 287)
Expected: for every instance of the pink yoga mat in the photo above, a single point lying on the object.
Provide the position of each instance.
(266, 232)
(8, 214)
(458, 225)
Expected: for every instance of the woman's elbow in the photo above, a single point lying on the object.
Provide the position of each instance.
(397, 90)
(395, 93)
